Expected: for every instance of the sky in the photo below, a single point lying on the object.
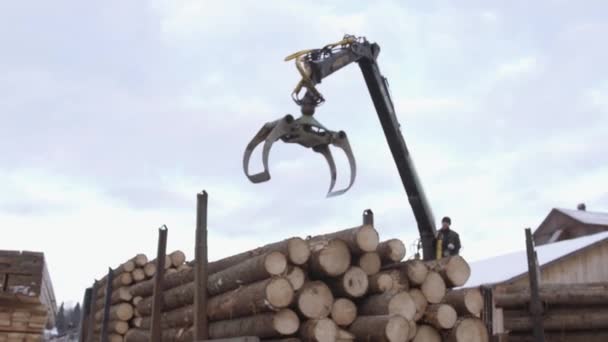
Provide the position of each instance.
(115, 114)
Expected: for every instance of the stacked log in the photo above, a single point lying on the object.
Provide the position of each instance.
(572, 312)
(133, 272)
(343, 286)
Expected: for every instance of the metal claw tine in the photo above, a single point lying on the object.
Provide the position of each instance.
(263, 134)
(341, 141)
(324, 150)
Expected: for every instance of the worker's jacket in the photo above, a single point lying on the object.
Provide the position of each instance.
(450, 243)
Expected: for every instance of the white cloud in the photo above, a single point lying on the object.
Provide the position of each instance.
(516, 68)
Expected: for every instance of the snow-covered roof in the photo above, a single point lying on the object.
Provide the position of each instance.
(504, 267)
(587, 217)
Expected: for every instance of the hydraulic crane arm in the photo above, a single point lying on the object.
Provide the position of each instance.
(314, 66)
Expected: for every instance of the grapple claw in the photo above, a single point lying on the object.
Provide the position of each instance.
(340, 140)
(269, 133)
(324, 150)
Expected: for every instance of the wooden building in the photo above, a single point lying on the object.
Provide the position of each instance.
(563, 224)
(27, 300)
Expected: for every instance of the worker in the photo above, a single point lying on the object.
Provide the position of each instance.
(447, 242)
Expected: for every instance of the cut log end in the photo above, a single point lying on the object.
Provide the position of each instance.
(296, 277)
(469, 330)
(286, 322)
(391, 251)
(433, 287)
(367, 238)
(441, 316)
(334, 258)
(402, 304)
(138, 275)
(279, 293)
(178, 258)
(315, 300)
(355, 282)
(380, 283)
(370, 263)
(140, 260)
(322, 330)
(298, 251)
(380, 328)
(416, 271)
(128, 266)
(426, 333)
(397, 329)
(275, 263)
(344, 312)
(150, 269)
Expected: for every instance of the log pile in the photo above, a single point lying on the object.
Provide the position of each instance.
(134, 273)
(343, 286)
(572, 312)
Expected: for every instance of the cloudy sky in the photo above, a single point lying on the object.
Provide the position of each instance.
(116, 113)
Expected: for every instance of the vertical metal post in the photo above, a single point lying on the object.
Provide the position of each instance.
(536, 309)
(200, 276)
(106, 306)
(84, 315)
(368, 217)
(155, 331)
(93, 308)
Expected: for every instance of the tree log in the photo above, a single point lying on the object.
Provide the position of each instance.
(122, 294)
(562, 320)
(465, 301)
(267, 295)
(369, 262)
(420, 301)
(469, 330)
(136, 300)
(138, 275)
(433, 288)
(568, 294)
(345, 335)
(150, 269)
(416, 270)
(353, 283)
(296, 250)
(252, 270)
(329, 258)
(123, 279)
(344, 312)
(319, 330)
(167, 335)
(426, 333)
(296, 277)
(267, 325)
(413, 329)
(177, 258)
(454, 270)
(315, 300)
(380, 328)
(562, 336)
(140, 260)
(118, 327)
(440, 316)
(380, 283)
(167, 262)
(391, 251)
(388, 303)
(359, 239)
(399, 280)
(119, 312)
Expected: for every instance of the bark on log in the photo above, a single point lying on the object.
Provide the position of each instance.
(426, 333)
(344, 312)
(177, 258)
(454, 270)
(433, 288)
(380, 283)
(329, 258)
(268, 325)
(359, 239)
(562, 320)
(352, 284)
(440, 316)
(319, 330)
(118, 327)
(420, 301)
(369, 262)
(391, 251)
(296, 250)
(555, 295)
(469, 330)
(122, 294)
(399, 279)
(296, 277)
(388, 303)
(315, 300)
(171, 271)
(380, 328)
(416, 270)
(252, 270)
(465, 301)
(267, 295)
(120, 312)
(563, 336)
